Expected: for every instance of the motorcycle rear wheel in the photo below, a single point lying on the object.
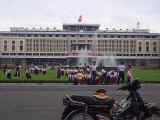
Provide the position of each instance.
(80, 116)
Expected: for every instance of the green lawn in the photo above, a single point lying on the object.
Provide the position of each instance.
(147, 75)
(143, 75)
(50, 76)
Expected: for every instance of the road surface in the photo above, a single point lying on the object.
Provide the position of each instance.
(44, 102)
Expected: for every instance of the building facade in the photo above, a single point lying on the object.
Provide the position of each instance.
(52, 46)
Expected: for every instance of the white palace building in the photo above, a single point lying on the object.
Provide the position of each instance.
(51, 46)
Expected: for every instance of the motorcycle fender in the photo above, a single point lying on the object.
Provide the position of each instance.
(157, 108)
(69, 111)
(153, 110)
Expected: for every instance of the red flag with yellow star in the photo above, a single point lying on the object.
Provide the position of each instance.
(80, 18)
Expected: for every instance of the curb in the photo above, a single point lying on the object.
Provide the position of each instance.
(62, 84)
(30, 84)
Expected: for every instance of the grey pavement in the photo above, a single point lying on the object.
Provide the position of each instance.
(44, 101)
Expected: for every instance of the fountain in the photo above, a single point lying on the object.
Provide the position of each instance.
(108, 62)
(84, 57)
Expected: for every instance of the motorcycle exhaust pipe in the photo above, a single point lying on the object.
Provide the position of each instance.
(99, 117)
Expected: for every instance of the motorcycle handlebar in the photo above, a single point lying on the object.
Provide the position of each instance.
(123, 88)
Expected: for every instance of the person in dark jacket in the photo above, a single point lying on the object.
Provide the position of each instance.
(9, 75)
(122, 69)
(137, 103)
(28, 75)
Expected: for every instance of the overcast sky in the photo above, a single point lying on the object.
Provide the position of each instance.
(120, 14)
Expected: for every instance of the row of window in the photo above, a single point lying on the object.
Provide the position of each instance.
(147, 47)
(35, 54)
(21, 48)
(63, 54)
(62, 45)
(81, 35)
(45, 45)
(137, 55)
(117, 45)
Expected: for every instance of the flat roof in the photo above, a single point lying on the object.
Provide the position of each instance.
(81, 24)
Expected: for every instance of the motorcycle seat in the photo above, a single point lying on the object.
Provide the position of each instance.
(91, 100)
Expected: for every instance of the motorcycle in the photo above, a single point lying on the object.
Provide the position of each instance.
(88, 108)
(150, 111)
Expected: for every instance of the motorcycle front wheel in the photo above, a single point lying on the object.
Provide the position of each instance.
(153, 117)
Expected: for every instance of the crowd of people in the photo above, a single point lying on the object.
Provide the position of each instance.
(84, 74)
(35, 69)
(90, 75)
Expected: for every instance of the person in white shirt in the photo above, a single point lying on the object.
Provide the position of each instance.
(122, 69)
(103, 76)
(36, 69)
(93, 70)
